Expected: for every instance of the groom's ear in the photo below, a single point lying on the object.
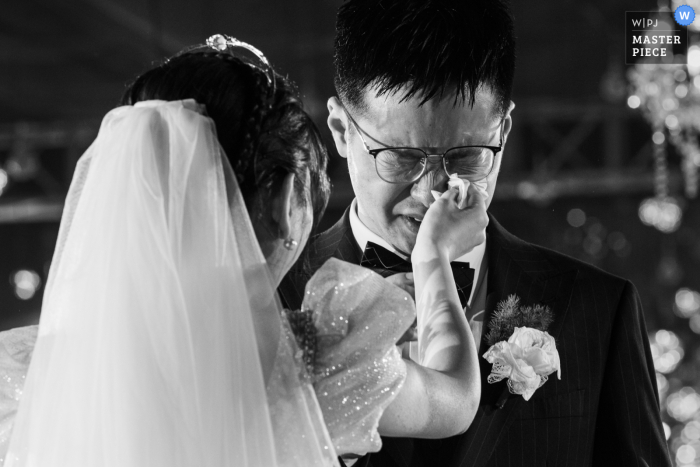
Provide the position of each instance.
(338, 124)
(508, 122)
(283, 208)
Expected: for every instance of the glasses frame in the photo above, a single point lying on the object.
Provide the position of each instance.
(427, 157)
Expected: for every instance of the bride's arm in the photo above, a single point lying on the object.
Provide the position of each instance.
(440, 396)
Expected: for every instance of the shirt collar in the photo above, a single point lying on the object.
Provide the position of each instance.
(363, 235)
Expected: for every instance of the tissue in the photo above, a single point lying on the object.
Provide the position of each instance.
(462, 185)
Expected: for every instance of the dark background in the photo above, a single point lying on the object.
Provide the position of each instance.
(575, 143)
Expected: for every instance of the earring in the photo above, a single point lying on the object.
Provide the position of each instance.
(290, 243)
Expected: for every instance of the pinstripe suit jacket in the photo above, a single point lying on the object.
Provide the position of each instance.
(603, 411)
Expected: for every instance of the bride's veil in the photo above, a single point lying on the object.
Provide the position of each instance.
(147, 352)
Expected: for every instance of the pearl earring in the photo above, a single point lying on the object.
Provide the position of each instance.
(290, 243)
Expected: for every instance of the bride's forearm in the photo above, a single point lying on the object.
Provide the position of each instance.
(441, 394)
(445, 341)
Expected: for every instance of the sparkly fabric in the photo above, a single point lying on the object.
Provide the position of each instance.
(294, 409)
(359, 317)
(16, 347)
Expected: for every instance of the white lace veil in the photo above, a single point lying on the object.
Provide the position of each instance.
(157, 299)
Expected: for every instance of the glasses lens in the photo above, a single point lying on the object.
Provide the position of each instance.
(400, 165)
(473, 164)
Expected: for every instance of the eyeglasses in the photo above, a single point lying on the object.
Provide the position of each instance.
(406, 164)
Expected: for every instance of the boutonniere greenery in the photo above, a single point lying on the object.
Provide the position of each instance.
(521, 350)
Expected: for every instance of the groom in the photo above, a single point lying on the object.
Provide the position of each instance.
(434, 75)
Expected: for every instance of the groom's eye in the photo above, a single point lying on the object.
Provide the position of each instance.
(401, 157)
(474, 161)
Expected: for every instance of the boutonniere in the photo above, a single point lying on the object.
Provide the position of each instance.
(521, 349)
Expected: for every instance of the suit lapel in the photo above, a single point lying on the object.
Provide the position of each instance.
(515, 267)
(346, 247)
(336, 242)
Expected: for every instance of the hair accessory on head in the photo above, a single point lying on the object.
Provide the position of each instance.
(290, 243)
(224, 43)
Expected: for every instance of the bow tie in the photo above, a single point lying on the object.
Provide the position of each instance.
(385, 263)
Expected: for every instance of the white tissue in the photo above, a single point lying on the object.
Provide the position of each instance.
(463, 185)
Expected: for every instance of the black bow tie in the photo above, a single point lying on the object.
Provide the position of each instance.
(385, 263)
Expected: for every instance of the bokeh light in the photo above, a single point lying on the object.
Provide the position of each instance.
(576, 217)
(691, 432)
(634, 102)
(695, 323)
(684, 404)
(671, 121)
(658, 137)
(686, 454)
(694, 59)
(4, 179)
(680, 75)
(681, 91)
(26, 283)
(618, 243)
(662, 213)
(669, 104)
(666, 350)
(687, 302)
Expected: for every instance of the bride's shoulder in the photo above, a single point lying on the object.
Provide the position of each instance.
(341, 285)
(16, 347)
(357, 370)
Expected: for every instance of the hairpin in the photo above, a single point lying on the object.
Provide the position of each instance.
(224, 43)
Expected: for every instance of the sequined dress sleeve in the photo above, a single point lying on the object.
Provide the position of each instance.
(297, 422)
(357, 370)
(16, 348)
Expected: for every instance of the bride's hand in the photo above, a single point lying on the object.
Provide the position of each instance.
(451, 230)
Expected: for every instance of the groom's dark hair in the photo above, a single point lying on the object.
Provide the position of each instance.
(430, 48)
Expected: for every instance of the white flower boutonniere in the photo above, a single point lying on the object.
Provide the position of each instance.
(529, 355)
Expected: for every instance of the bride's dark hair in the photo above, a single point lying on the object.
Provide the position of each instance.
(265, 136)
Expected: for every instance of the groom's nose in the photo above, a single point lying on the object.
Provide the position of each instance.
(434, 178)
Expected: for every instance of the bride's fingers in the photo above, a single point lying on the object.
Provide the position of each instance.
(475, 198)
(451, 194)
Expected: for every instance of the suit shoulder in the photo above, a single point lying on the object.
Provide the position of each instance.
(321, 247)
(550, 261)
(585, 270)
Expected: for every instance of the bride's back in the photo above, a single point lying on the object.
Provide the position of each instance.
(147, 353)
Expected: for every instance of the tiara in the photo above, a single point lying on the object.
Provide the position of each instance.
(223, 43)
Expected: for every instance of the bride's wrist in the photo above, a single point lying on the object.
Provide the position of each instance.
(427, 251)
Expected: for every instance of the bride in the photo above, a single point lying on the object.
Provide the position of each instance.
(162, 341)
